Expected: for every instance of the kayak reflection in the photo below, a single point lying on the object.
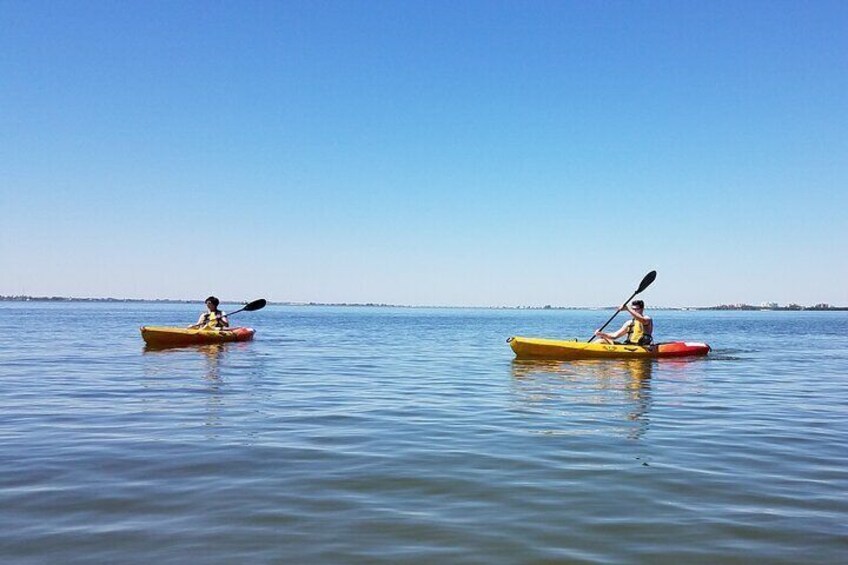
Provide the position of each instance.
(589, 391)
(212, 356)
(636, 369)
(192, 361)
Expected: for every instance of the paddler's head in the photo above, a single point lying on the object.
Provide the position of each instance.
(212, 303)
(638, 305)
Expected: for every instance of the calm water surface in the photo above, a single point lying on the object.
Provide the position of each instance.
(411, 435)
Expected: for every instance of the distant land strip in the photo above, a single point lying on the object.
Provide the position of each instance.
(739, 307)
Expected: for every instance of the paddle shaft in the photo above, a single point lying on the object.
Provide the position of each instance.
(591, 339)
(646, 282)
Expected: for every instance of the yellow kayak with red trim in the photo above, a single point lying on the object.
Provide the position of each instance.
(541, 348)
(167, 336)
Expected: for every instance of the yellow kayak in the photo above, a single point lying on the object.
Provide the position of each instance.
(540, 348)
(166, 336)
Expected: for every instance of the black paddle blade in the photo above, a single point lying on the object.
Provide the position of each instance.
(646, 282)
(255, 305)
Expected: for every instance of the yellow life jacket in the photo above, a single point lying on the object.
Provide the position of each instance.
(637, 334)
(213, 320)
(636, 331)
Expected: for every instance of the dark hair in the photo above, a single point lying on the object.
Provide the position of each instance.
(638, 303)
(213, 300)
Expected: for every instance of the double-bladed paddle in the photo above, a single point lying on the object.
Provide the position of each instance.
(251, 306)
(646, 282)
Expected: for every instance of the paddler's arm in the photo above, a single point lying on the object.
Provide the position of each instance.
(200, 322)
(611, 337)
(224, 319)
(606, 338)
(641, 317)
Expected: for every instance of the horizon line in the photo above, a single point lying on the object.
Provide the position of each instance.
(822, 306)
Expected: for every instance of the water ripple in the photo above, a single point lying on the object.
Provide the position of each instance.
(381, 435)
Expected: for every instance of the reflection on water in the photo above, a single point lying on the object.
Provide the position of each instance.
(617, 389)
(211, 353)
(211, 358)
(606, 368)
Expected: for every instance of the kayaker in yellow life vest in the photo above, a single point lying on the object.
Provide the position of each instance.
(639, 330)
(214, 319)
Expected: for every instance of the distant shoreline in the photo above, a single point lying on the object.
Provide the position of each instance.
(723, 307)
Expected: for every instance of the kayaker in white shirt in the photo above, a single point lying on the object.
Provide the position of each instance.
(213, 319)
(639, 329)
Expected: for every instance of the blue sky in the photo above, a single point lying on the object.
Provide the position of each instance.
(438, 153)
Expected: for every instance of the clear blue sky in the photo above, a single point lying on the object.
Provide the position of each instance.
(442, 153)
